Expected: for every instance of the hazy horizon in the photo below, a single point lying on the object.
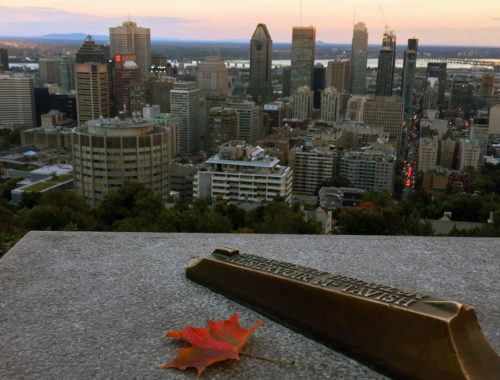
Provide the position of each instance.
(454, 23)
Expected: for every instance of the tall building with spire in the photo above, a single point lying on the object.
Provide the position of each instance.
(90, 52)
(359, 59)
(261, 50)
(386, 65)
(303, 54)
(408, 80)
(132, 39)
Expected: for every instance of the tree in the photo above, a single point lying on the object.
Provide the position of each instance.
(59, 210)
(9, 185)
(11, 230)
(279, 218)
(235, 214)
(483, 184)
(378, 198)
(30, 199)
(133, 207)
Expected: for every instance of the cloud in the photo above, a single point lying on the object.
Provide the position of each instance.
(496, 18)
(36, 21)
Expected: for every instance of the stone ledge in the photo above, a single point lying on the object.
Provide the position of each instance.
(97, 305)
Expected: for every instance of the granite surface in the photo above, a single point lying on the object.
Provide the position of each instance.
(86, 305)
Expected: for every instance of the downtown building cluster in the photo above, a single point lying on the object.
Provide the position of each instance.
(253, 134)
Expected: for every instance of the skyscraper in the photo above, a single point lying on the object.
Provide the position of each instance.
(222, 126)
(286, 90)
(4, 59)
(249, 120)
(487, 86)
(261, 50)
(92, 91)
(185, 105)
(438, 70)
(408, 80)
(337, 76)
(318, 84)
(213, 77)
(50, 70)
(388, 113)
(125, 74)
(17, 100)
(68, 73)
(359, 59)
(462, 94)
(131, 39)
(303, 53)
(386, 65)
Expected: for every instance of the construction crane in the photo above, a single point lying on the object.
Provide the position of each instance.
(386, 24)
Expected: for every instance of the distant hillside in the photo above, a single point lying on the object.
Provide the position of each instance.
(74, 36)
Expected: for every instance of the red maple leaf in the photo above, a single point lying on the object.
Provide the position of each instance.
(222, 340)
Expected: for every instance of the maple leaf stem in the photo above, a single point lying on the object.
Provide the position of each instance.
(267, 359)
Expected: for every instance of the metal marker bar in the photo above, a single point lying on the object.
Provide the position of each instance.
(404, 334)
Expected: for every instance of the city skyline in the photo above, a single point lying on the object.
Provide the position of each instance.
(431, 22)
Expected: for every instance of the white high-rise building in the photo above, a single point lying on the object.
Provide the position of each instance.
(17, 100)
(132, 39)
(468, 154)
(302, 103)
(330, 104)
(427, 152)
(369, 169)
(242, 173)
(185, 105)
(479, 131)
(311, 166)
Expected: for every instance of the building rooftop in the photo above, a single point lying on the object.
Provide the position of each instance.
(262, 162)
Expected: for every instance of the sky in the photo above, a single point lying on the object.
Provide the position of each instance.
(434, 22)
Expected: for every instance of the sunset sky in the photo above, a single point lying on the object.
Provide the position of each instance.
(443, 22)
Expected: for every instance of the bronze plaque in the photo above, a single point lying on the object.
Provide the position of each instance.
(401, 333)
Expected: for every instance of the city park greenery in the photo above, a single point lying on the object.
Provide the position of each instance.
(135, 208)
